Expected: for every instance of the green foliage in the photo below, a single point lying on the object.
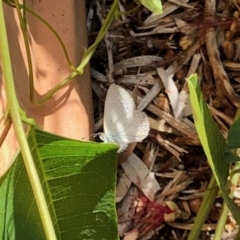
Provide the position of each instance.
(212, 141)
(56, 188)
(231, 154)
(75, 70)
(155, 6)
(78, 180)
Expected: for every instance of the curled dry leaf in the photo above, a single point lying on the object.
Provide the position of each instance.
(138, 173)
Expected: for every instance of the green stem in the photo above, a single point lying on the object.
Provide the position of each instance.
(54, 33)
(13, 107)
(25, 9)
(87, 56)
(234, 177)
(208, 200)
(22, 21)
(223, 217)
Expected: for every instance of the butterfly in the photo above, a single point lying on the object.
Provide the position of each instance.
(123, 123)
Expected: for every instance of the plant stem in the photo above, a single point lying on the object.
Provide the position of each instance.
(13, 108)
(208, 200)
(87, 56)
(22, 21)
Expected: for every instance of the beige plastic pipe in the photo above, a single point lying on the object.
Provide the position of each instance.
(69, 112)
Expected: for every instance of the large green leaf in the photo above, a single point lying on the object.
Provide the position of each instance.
(212, 141)
(78, 179)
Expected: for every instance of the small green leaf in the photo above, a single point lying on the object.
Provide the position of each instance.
(155, 6)
(233, 143)
(79, 181)
(212, 141)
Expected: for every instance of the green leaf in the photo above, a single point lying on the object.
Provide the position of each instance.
(155, 6)
(233, 143)
(79, 181)
(212, 141)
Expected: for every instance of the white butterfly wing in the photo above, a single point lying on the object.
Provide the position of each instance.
(135, 130)
(122, 123)
(118, 105)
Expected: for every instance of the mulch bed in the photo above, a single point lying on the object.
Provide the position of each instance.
(151, 56)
